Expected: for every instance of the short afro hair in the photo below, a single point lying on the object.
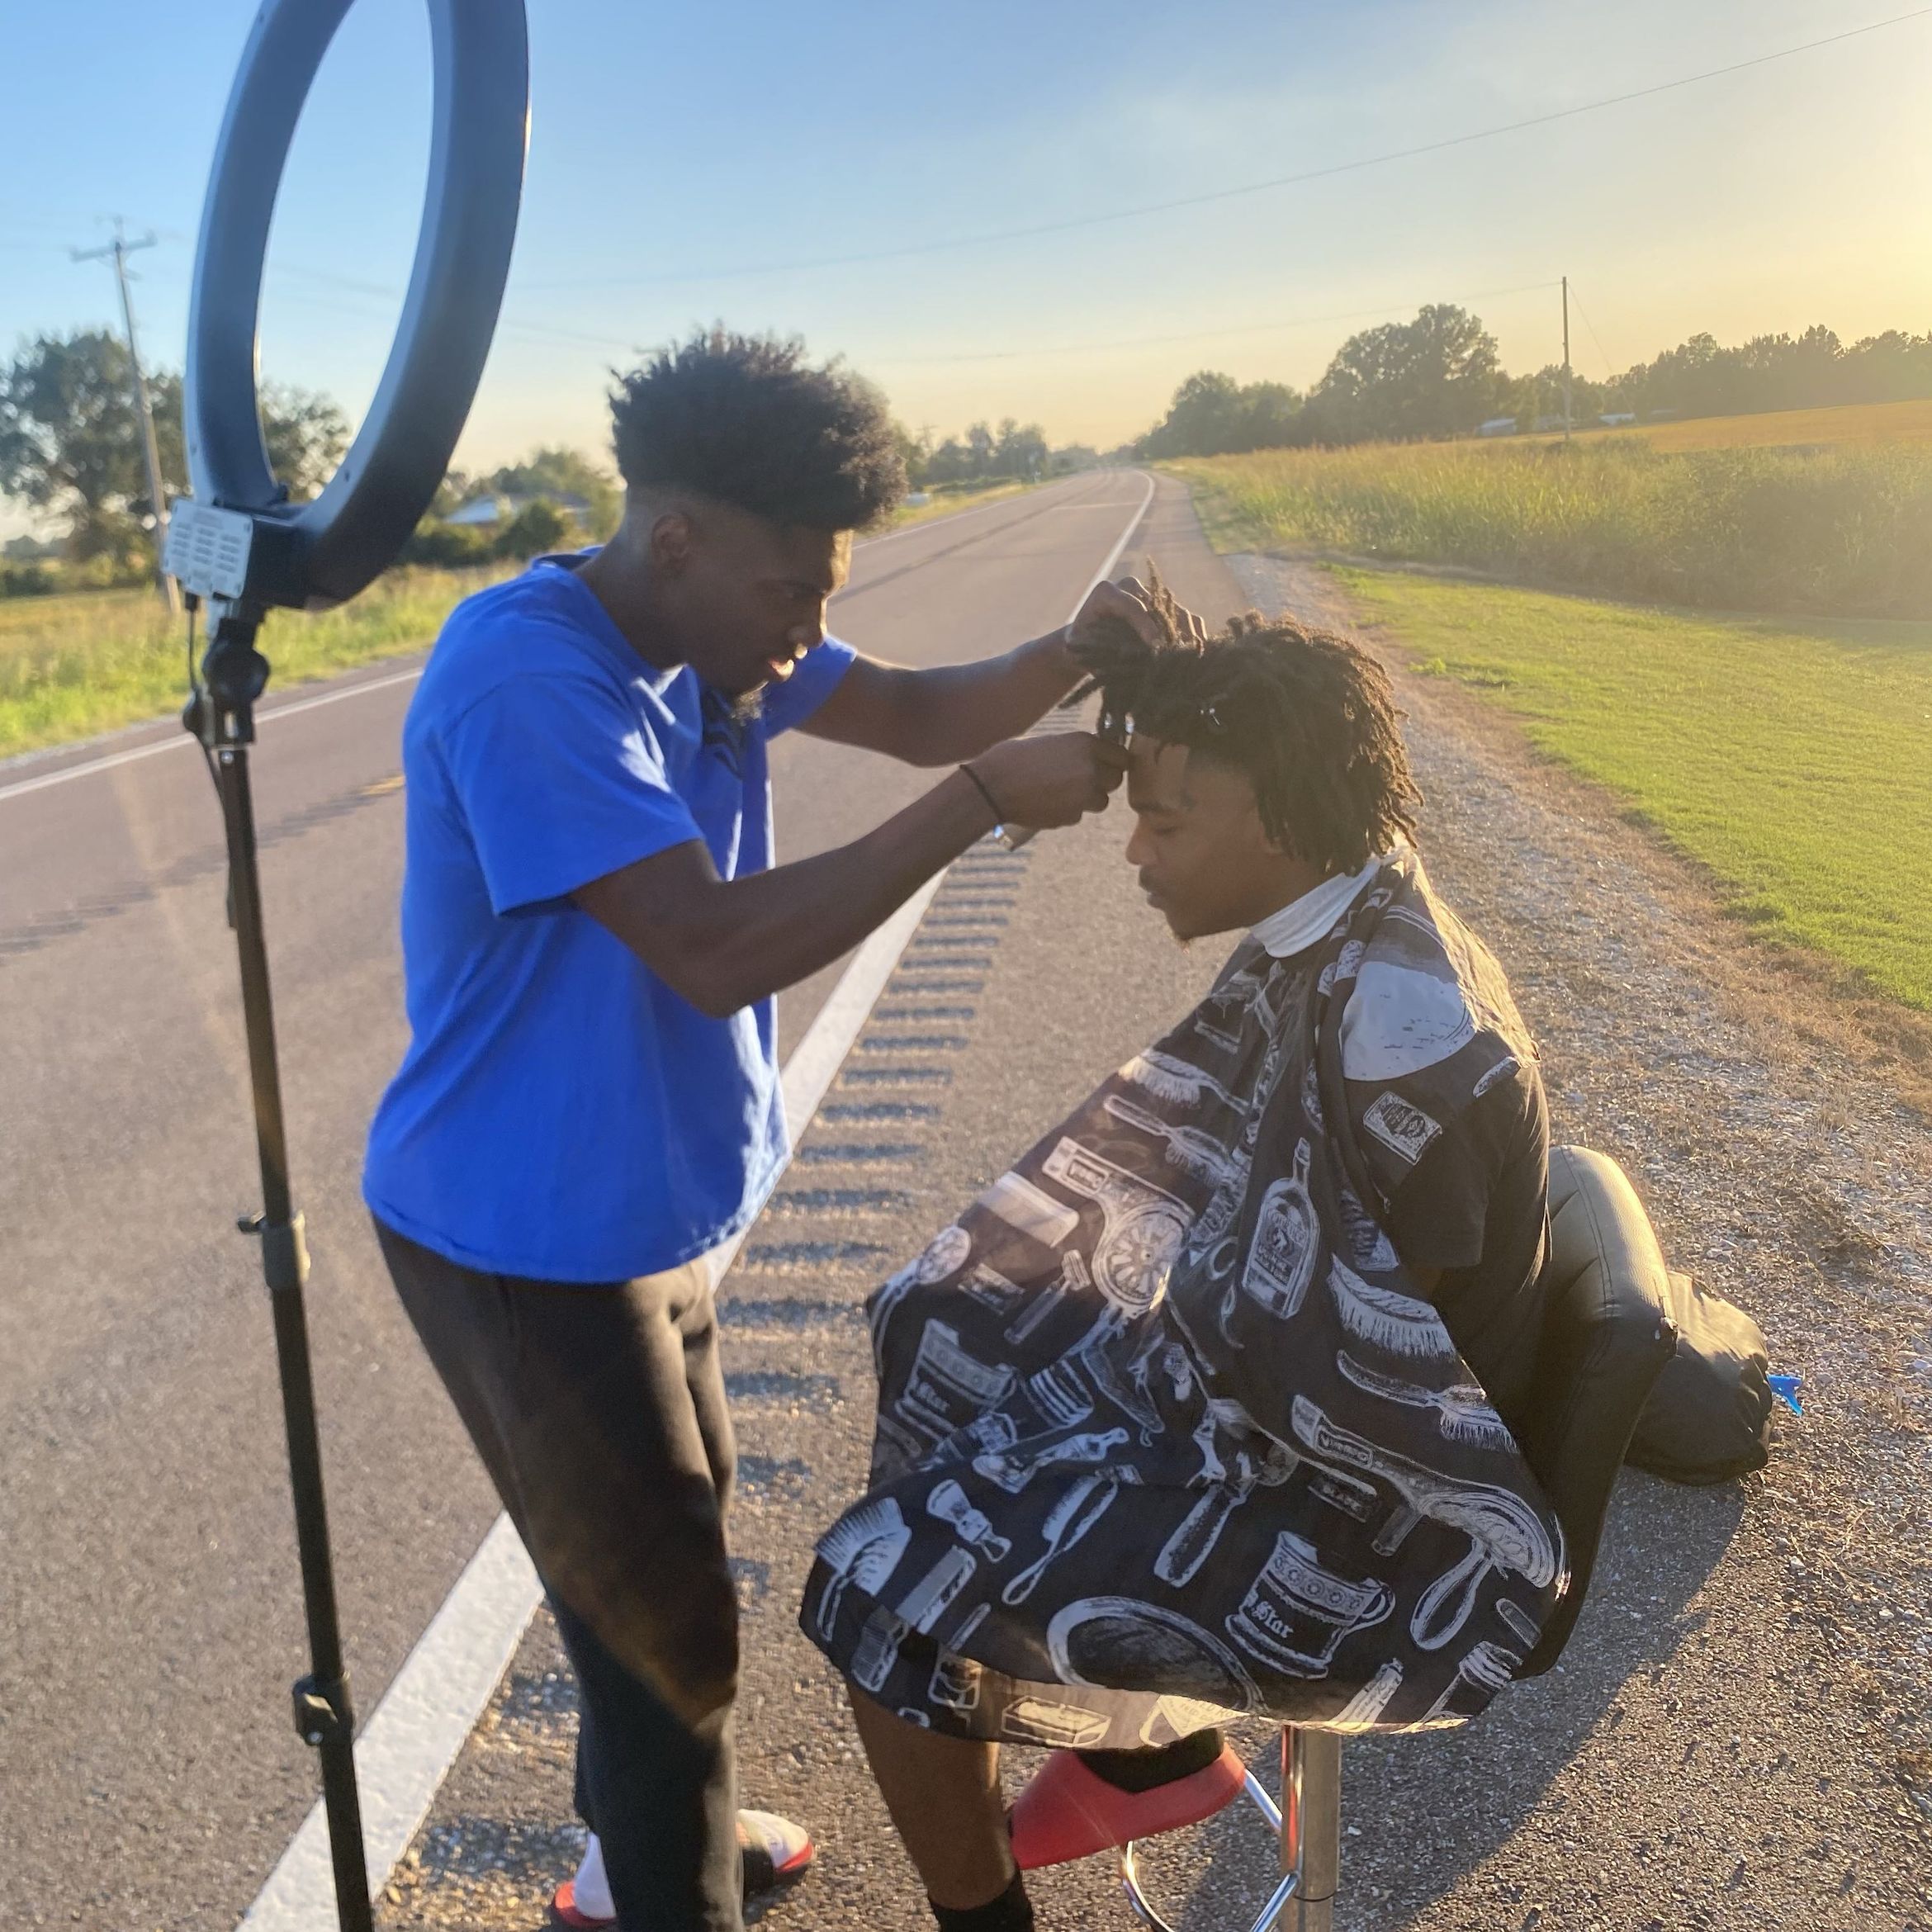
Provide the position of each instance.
(1307, 717)
(746, 420)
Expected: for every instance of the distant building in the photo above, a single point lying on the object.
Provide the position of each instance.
(1616, 419)
(488, 511)
(1497, 426)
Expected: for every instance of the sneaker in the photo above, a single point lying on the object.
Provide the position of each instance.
(1067, 1812)
(775, 1851)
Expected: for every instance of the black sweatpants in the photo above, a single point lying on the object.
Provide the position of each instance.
(600, 1414)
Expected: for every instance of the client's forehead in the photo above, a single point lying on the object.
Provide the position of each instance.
(1156, 775)
(1168, 777)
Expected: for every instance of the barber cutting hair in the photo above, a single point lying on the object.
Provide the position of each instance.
(592, 933)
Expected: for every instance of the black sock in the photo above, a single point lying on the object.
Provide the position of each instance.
(1162, 1764)
(1011, 1911)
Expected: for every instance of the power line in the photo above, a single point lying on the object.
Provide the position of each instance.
(1608, 369)
(1279, 327)
(630, 345)
(1032, 231)
(388, 292)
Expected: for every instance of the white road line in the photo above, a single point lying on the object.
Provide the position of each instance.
(1106, 570)
(267, 715)
(295, 706)
(405, 1751)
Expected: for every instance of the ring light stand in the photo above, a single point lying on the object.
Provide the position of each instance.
(238, 544)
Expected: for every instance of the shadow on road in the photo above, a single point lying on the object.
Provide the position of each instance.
(1419, 1812)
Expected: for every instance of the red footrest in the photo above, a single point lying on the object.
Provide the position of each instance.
(1066, 1812)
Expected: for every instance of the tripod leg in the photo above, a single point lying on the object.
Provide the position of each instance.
(322, 1712)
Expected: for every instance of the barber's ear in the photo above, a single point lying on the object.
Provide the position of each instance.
(671, 543)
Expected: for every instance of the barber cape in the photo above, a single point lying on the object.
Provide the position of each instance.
(1164, 1431)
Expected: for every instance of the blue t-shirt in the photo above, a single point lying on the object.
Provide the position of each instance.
(560, 1113)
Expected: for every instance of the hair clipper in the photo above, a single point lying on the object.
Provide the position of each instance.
(1115, 727)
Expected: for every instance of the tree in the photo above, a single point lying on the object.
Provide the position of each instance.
(1021, 450)
(304, 435)
(553, 474)
(1200, 419)
(539, 526)
(1212, 415)
(915, 451)
(70, 440)
(1434, 377)
(1017, 450)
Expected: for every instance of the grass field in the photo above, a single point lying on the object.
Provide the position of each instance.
(1840, 533)
(1794, 762)
(75, 665)
(1847, 425)
(72, 667)
(956, 499)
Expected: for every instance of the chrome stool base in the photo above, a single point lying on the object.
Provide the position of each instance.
(1309, 1824)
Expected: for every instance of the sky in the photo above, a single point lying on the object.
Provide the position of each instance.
(727, 162)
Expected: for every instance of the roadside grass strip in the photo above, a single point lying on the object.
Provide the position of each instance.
(1794, 761)
(75, 665)
(80, 663)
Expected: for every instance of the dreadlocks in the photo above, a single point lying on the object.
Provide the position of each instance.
(1307, 718)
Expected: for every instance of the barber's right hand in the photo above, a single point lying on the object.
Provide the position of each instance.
(1051, 780)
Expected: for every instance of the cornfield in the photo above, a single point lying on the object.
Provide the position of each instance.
(1842, 532)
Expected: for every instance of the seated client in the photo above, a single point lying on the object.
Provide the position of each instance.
(1204, 1408)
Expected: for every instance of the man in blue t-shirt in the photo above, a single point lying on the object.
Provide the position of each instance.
(592, 933)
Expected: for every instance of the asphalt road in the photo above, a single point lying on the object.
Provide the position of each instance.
(149, 1618)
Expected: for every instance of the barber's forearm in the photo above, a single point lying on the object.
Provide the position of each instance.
(965, 710)
(773, 929)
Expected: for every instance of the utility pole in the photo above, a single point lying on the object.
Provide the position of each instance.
(1565, 357)
(117, 251)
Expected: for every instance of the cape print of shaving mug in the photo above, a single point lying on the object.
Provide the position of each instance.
(1297, 1611)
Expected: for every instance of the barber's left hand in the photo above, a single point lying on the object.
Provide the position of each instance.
(1132, 600)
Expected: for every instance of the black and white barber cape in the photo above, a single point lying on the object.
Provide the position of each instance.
(1164, 1431)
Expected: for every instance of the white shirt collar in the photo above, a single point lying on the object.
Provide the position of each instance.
(1299, 924)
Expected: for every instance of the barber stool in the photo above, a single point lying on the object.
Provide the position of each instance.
(1607, 1335)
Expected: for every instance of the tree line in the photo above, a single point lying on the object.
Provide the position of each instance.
(1442, 376)
(70, 446)
(71, 449)
(1014, 452)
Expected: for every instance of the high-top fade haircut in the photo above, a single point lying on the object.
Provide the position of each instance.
(1309, 719)
(748, 421)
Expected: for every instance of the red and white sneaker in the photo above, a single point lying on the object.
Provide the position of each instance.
(1066, 1812)
(776, 1852)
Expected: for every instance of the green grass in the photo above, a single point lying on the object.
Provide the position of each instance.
(72, 667)
(1837, 532)
(953, 499)
(1793, 761)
